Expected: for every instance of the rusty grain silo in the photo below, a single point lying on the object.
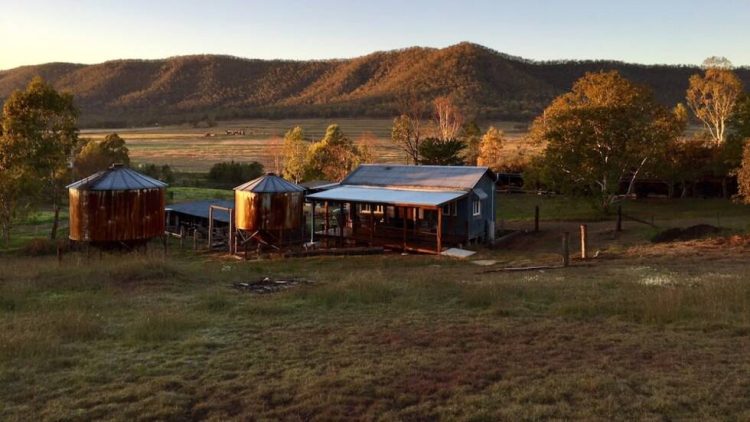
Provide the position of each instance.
(117, 205)
(271, 207)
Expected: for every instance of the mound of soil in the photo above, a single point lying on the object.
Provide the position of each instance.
(689, 233)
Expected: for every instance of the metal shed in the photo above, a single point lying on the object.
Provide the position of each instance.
(116, 205)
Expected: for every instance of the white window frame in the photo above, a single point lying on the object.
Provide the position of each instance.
(476, 207)
(367, 209)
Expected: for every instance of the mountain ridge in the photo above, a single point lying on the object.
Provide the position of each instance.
(485, 82)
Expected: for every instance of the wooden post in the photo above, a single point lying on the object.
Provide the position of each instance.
(404, 221)
(341, 222)
(536, 218)
(230, 241)
(325, 225)
(182, 236)
(210, 226)
(566, 249)
(372, 223)
(195, 239)
(619, 219)
(440, 231)
(584, 241)
(416, 214)
(312, 224)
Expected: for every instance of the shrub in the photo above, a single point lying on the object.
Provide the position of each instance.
(42, 246)
(231, 173)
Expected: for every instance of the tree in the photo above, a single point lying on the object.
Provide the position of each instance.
(366, 147)
(712, 98)
(276, 146)
(232, 173)
(490, 148)
(440, 152)
(333, 157)
(39, 137)
(687, 161)
(743, 175)
(294, 151)
(739, 124)
(471, 134)
(97, 156)
(14, 200)
(407, 127)
(717, 62)
(602, 131)
(448, 118)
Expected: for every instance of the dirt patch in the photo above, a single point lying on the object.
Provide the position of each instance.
(689, 233)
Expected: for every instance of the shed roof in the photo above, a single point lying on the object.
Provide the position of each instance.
(390, 196)
(430, 177)
(117, 177)
(270, 183)
(200, 208)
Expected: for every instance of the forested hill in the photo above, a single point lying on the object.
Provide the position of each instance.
(486, 83)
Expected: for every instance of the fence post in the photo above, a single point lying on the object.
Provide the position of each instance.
(584, 240)
(195, 239)
(536, 218)
(566, 249)
(182, 236)
(619, 218)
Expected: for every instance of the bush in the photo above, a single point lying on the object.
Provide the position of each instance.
(163, 173)
(42, 246)
(231, 173)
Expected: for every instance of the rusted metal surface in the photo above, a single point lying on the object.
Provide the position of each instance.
(116, 215)
(268, 211)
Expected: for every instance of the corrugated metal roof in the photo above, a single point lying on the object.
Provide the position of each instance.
(270, 183)
(117, 177)
(435, 177)
(200, 209)
(389, 196)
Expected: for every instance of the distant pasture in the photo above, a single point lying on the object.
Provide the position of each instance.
(189, 149)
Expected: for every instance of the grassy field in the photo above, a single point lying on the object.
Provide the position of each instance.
(187, 149)
(645, 332)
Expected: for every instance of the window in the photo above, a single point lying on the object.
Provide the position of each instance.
(477, 207)
(450, 209)
(367, 209)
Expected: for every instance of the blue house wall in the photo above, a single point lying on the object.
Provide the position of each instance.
(465, 225)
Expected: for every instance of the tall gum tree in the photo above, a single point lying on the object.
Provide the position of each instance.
(712, 98)
(39, 138)
(606, 129)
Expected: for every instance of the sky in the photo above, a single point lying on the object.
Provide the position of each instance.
(650, 32)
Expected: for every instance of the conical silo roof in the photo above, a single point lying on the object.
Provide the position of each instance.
(270, 183)
(117, 177)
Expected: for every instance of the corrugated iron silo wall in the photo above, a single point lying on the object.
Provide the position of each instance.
(116, 216)
(268, 211)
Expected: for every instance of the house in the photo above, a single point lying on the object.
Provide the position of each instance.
(413, 208)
